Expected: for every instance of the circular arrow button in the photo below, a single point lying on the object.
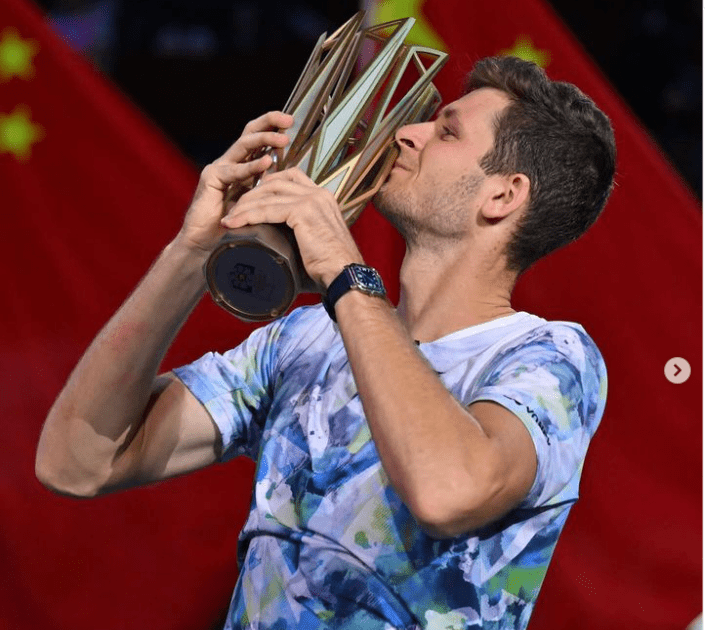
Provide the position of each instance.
(677, 370)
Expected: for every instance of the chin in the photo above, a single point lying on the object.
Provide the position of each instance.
(394, 206)
(383, 199)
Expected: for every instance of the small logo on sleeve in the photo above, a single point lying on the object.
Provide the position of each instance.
(534, 415)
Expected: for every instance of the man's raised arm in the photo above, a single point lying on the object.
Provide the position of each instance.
(116, 423)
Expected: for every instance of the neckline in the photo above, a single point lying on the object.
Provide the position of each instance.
(505, 320)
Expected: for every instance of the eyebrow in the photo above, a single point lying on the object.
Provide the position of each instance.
(450, 114)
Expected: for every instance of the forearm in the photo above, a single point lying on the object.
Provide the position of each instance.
(103, 403)
(429, 445)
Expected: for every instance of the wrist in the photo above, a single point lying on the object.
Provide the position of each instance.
(335, 270)
(191, 252)
(185, 264)
(357, 302)
(355, 278)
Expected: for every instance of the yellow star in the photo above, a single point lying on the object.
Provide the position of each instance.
(18, 133)
(422, 34)
(16, 55)
(524, 49)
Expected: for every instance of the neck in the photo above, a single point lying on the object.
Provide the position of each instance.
(442, 292)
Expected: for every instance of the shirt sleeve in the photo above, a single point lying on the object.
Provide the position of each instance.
(555, 381)
(236, 388)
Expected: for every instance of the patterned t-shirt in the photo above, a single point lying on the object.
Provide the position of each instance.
(328, 543)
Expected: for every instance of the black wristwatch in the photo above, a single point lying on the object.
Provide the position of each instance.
(354, 276)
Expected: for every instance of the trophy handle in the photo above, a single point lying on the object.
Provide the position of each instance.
(256, 272)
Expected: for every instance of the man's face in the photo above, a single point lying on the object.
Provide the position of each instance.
(436, 186)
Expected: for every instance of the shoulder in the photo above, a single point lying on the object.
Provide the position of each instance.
(558, 365)
(552, 377)
(562, 343)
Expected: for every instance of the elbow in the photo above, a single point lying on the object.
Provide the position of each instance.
(444, 526)
(52, 478)
(443, 520)
(58, 486)
(446, 515)
(59, 467)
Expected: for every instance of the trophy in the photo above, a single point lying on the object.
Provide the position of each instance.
(343, 139)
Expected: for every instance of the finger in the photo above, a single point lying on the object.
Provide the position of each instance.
(275, 210)
(281, 202)
(275, 119)
(265, 123)
(277, 186)
(220, 175)
(249, 143)
(294, 174)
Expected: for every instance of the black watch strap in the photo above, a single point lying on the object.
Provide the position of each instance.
(354, 276)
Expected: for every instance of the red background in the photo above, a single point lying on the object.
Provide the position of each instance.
(103, 192)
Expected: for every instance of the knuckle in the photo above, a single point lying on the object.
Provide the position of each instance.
(313, 204)
(207, 172)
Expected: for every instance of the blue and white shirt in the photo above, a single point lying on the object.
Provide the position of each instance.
(328, 542)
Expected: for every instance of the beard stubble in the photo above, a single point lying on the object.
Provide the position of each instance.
(440, 215)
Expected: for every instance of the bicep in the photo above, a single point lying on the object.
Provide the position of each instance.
(511, 465)
(177, 436)
(493, 481)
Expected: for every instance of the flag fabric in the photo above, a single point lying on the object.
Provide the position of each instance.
(631, 553)
(91, 191)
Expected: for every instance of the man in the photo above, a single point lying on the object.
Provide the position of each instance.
(415, 466)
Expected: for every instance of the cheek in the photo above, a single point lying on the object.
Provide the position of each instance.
(446, 165)
(444, 169)
(439, 177)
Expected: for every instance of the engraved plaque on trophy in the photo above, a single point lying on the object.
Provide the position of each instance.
(345, 117)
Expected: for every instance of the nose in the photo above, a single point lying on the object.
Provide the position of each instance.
(413, 136)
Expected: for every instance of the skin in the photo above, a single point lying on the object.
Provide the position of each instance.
(457, 222)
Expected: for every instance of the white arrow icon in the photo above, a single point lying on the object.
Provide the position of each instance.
(677, 370)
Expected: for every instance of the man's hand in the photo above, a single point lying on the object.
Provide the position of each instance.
(202, 229)
(290, 197)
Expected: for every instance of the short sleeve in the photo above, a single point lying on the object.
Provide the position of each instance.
(236, 388)
(555, 381)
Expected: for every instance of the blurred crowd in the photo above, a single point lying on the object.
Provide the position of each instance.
(154, 49)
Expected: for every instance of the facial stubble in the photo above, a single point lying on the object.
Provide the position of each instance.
(440, 215)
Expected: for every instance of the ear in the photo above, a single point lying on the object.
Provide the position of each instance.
(507, 195)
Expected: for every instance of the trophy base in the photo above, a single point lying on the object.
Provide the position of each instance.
(254, 273)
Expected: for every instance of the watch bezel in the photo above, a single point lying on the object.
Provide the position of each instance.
(363, 284)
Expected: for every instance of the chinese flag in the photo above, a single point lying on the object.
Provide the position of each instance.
(90, 193)
(631, 553)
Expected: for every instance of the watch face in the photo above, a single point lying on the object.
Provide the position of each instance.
(368, 279)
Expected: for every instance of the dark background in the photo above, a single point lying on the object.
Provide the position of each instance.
(239, 58)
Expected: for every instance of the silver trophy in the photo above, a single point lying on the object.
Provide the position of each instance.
(345, 116)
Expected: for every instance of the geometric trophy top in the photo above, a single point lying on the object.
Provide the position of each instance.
(345, 116)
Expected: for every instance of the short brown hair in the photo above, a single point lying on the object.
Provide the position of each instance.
(561, 141)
